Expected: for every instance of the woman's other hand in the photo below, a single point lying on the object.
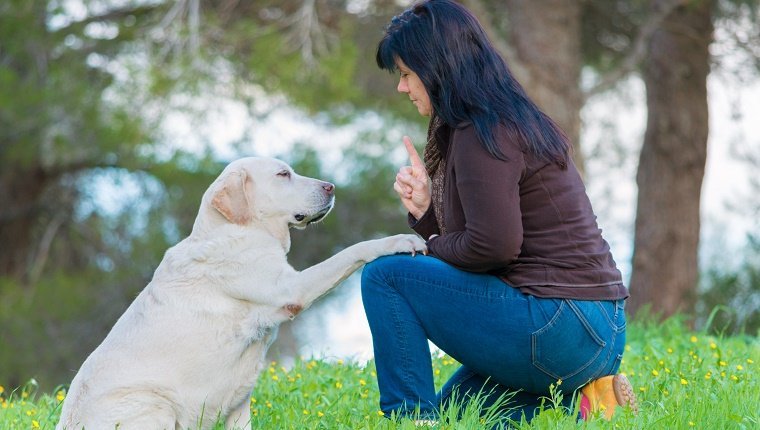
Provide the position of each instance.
(413, 184)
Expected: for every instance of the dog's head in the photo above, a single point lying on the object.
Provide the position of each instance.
(265, 190)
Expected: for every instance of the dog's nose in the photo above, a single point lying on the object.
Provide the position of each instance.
(330, 188)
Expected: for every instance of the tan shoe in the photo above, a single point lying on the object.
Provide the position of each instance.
(605, 394)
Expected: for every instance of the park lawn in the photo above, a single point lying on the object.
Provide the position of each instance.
(683, 380)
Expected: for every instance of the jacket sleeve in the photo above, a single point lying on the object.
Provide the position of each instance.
(427, 225)
(489, 192)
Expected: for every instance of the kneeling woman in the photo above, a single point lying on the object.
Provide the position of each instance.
(519, 285)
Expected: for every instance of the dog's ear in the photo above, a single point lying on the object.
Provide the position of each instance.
(231, 197)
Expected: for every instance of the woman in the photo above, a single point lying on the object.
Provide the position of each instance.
(519, 286)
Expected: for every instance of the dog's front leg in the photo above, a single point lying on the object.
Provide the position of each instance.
(304, 287)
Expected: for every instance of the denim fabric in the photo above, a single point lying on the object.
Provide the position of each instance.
(505, 340)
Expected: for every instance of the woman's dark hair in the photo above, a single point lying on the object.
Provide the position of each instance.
(466, 79)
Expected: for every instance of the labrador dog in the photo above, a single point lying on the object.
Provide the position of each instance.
(190, 347)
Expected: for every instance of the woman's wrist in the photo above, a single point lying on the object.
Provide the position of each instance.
(418, 213)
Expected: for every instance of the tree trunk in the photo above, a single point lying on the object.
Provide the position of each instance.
(20, 191)
(546, 41)
(672, 162)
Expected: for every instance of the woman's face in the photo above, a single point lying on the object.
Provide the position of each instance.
(409, 83)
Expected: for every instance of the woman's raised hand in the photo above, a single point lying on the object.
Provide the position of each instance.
(413, 184)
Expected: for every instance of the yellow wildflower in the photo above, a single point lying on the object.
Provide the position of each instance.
(691, 424)
(739, 367)
(708, 375)
(713, 345)
(693, 339)
(722, 363)
(749, 361)
(305, 412)
(670, 350)
(642, 389)
(320, 414)
(684, 382)
(340, 362)
(2, 389)
(60, 395)
(381, 413)
(338, 385)
(362, 382)
(275, 378)
(35, 424)
(734, 378)
(655, 372)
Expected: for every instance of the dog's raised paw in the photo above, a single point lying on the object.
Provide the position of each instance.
(408, 243)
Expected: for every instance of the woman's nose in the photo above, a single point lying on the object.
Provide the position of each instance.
(402, 86)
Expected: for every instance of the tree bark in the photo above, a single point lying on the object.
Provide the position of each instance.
(20, 193)
(672, 161)
(545, 37)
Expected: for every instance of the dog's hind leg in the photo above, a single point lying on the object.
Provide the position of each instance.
(136, 410)
(240, 417)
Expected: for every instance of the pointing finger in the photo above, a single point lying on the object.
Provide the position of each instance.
(413, 156)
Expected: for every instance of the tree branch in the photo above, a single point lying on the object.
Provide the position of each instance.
(111, 15)
(637, 52)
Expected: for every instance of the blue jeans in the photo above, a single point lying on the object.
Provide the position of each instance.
(506, 341)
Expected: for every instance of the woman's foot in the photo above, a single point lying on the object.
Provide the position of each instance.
(605, 394)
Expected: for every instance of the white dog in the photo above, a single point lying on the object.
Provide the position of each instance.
(190, 347)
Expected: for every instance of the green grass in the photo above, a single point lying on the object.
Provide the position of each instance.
(683, 380)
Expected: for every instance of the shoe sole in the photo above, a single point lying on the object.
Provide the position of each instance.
(624, 392)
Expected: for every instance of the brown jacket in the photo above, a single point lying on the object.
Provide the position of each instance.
(525, 220)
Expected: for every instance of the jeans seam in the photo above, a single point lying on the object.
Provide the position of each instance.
(612, 321)
(402, 347)
(586, 324)
(602, 344)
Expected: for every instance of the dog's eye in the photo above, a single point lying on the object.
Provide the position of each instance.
(284, 174)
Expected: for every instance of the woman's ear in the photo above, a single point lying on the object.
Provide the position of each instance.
(231, 198)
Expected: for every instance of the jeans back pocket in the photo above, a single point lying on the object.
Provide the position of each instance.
(567, 344)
